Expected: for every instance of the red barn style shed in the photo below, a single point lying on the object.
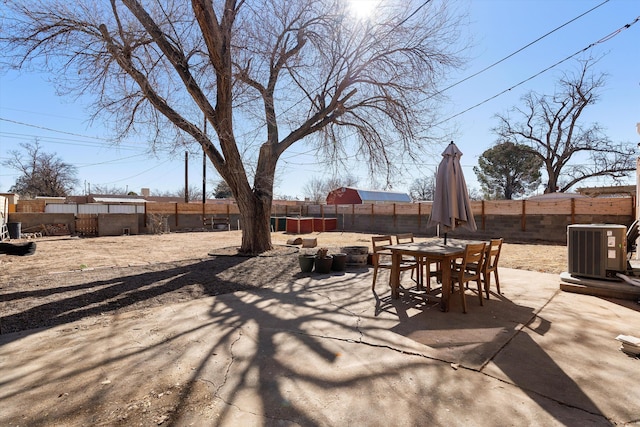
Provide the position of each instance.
(354, 196)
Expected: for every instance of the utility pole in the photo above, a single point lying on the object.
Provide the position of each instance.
(204, 170)
(186, 177)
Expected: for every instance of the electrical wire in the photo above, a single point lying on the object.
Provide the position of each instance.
(488, 67)
(49, 129)
(602, 40)
(138, 174)
(493, 64)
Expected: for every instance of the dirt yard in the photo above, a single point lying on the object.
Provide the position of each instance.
(72, 278)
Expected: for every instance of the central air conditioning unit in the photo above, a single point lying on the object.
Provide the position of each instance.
(597, 250)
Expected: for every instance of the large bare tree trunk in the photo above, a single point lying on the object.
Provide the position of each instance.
(299, 70)
(255, 216)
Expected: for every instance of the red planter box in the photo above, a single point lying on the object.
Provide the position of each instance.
(299, 225)
(325, 224)
(309, 225)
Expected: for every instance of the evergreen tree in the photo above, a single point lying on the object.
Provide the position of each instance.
(508, 170)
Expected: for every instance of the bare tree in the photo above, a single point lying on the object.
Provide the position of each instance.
(298, 71)
(194, 193)
(317, 189)
(550, 125)
(105, 189)
(41, 174)
(348, 180)
(423, 188)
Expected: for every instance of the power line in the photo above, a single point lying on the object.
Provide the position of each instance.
(602, 40)
(66, 141)
(518, 51)
(493, 64)
(413, 13)
(138, 174)
(49, 129)
(606, 38)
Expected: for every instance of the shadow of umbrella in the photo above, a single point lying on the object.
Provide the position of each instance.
(451, 205)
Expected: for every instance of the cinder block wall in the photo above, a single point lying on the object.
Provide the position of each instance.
(187, 222)
(31, 222)
(515, 221)
(536, 228)
(116, 224)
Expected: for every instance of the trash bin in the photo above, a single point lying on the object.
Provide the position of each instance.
(15, 229)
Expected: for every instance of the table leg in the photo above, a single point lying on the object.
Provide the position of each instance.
(446, 284)
(396, 260)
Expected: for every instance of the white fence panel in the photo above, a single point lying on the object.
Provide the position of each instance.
(122, 209)
(93, 209)
(61, 208)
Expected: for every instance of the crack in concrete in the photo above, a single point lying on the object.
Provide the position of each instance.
(340, 308)
(228, 370)
(519, 330)
(479, 370)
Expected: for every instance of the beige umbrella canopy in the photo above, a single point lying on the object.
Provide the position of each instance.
(451, 205)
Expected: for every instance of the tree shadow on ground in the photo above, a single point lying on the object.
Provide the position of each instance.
(47, 303)
(483, 335)
(277, 354)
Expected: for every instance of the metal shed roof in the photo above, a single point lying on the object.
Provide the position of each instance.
(382, 196)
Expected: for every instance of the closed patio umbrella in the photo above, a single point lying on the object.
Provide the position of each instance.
(451, 205)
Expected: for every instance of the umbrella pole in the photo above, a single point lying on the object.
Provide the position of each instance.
(445, 238)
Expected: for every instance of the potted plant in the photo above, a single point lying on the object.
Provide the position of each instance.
(323, 261)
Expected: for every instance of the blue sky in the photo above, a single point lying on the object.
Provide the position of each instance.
(29, 107)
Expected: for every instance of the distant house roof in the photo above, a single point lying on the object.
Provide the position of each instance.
(382, 196)
(119, 200)
(617, 190)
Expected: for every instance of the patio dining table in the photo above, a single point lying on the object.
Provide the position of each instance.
(430, 251)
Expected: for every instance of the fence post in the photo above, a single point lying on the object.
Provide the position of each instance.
(394, 216)
(524, 216)
(373, 214)
(483, 216)
(176, 212)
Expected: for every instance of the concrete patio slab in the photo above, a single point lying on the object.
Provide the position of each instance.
(325, 351)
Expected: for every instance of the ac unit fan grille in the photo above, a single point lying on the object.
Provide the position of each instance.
(586, 252)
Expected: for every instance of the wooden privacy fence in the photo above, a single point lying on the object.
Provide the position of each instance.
(87, 224)
(482, 210)
(176, 209)
(518, 220)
